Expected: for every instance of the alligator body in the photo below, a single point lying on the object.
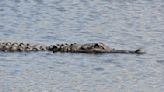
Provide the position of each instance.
(73, 48)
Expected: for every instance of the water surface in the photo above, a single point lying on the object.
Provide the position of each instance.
(122, 24)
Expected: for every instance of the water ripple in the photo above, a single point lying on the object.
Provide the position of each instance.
(122, 24)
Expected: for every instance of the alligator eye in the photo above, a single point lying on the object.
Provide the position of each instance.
(96, 45)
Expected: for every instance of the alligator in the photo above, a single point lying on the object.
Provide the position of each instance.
(73, 48)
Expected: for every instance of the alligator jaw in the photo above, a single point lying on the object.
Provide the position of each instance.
(110, 51)
(138, 51)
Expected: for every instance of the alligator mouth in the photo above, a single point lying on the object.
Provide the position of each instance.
(138, 51)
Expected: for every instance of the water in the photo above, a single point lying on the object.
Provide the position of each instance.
(122, 24)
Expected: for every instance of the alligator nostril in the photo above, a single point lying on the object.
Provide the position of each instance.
(139, 51)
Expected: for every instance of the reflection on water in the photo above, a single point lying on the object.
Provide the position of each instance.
(122, 24)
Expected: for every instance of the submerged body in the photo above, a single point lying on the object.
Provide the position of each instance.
(73, 48)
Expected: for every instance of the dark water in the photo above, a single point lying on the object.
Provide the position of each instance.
(123, 24)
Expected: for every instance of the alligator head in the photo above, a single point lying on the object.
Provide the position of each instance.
(89, 48)
(94, 48)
